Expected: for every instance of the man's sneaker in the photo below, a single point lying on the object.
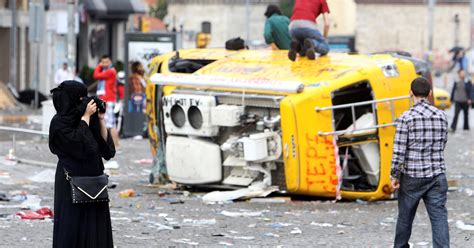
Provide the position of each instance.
(295, 45)
(292, 55)
(310, 51)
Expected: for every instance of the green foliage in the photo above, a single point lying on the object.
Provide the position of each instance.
(286, 7)
(159, 10)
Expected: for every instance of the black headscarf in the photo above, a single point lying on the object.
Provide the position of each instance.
(69, 108)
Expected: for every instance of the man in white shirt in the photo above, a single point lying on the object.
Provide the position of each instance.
(62, 74)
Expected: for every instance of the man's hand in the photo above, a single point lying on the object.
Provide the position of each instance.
(395, 183)
(101, 116)
(469, 102)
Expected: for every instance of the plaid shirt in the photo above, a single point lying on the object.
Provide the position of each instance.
(418, 149)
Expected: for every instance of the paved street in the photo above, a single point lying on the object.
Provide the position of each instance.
(166, 218)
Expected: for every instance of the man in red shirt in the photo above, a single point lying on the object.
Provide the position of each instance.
(306, 38)
(106, 75)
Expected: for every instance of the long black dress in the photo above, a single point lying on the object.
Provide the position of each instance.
(80, 150)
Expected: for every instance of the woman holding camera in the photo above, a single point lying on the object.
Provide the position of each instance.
(79, 138)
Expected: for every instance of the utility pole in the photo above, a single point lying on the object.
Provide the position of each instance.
(456, 29)
(71, 36)
(247, 18)
(13, 44)
(431, 6)
(472, 25)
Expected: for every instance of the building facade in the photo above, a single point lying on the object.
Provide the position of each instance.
(383, 25)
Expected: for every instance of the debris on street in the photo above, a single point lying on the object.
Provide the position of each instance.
(45, 176)
(242, 214)
(465, 227)
(127, 193)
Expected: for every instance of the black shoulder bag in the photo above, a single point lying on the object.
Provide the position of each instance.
(88, 189)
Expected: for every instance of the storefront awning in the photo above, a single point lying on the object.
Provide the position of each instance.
(114, 9)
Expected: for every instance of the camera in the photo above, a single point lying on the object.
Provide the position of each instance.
(101, 105)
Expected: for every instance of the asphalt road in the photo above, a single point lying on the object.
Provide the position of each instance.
(176, 218)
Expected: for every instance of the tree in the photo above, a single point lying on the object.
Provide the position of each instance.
(160, 9)
(286, 7)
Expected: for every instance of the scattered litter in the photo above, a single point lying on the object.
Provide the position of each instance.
(241, 214)
(390, 220)
(163, 227)
(226, 244)
(202, 222)
(362, 202)
(31, 215)
(45, 176)
(252, 225)
(296, 231)
(280, 225)
(241, 237)
(341, 232)
(271, 200)
(255, 190)
(4, 175)
(173, 200)
(4, 197)
(10, 206)
(112, 185)
(163, 215)
(218, 235)
(321, 224)
(46, 212)
(7, 162)
(120, 218)
(423, 243)
(469, 191)
(384, 224)
(137, 219)
(32, 202)
(272, 235)
(143, 161)
(185, 241)
(30, 187)
(127, 193)
(137, 237)
(111, 165)
(466, 227)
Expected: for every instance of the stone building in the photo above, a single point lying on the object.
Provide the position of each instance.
(383, 25)
(228, 19)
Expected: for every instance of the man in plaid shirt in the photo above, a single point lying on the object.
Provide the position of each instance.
(418, 167)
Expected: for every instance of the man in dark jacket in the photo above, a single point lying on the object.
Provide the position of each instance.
(461, 96)
(276, 31)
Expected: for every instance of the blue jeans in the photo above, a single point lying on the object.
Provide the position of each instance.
(433, 191)
(300, 34)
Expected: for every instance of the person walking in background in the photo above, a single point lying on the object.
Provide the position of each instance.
(418, 166)
(276, 31)
(62, 74)
(461, 96)
(306, 38)
(107, 91)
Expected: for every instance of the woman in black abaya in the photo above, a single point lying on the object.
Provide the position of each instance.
(78, 136)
